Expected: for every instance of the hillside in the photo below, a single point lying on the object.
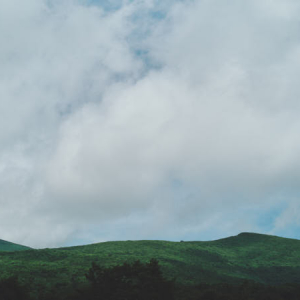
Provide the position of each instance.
(261, 258)
(8, 246)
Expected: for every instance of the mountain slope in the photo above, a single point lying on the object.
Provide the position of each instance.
(256, 257)
(8, 246)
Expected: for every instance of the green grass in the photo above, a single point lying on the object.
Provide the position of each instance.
(261, 258)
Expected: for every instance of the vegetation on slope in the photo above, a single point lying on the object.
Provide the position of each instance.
(8, 246)
(139, 281)
(260, 258)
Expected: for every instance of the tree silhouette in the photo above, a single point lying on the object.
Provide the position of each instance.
(136, 281)
(10, 289)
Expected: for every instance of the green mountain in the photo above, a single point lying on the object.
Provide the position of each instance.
(8, 246)
(256, 257)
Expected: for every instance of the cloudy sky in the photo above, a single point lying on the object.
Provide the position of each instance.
(148, 119)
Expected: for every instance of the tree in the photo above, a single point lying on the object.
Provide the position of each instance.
(10, 289)
(134, 281)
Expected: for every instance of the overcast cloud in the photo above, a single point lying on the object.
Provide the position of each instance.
(148, 120)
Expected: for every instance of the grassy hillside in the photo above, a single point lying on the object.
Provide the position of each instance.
(8, 246)
(262, 258)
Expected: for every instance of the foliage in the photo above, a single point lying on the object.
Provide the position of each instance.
(258, 258)
(246, 291)
(10, 289)
(134, 281)
(8, 246)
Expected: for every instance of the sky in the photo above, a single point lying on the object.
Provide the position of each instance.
(147, 119)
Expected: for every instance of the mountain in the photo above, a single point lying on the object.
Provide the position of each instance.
(256, 257)
(8, 246)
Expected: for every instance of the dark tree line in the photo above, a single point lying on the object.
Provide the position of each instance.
(243, 291)
(11, 289)
(134, 281)
(145, 281)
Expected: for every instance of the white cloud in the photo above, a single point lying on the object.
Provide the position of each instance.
(203, 121)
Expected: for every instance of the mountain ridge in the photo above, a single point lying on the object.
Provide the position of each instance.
(250, 236)
(248, 256)
(264, 259)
